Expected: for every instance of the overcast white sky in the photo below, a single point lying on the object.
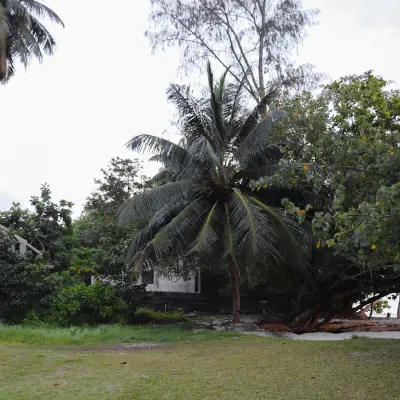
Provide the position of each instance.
(62, 121)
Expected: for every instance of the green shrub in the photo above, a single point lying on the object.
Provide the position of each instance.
(146, 316)
(81, 304)
(24, 286)
(134, 296)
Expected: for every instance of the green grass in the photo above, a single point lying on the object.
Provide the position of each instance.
(146, 316)
(104, 334)
(193, 367)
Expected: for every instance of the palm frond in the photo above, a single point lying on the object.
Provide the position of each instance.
(158, 221)
(42, 11)
(191, 118)
(253, 235)
(206, 240)
(156, 145)
(177, 235)
(163, 176)
(43, 36)
(216, 110)
(30, 42)
(203, 160)
(232, 106)
(254, 118)
(22, 35)
(21, 51)
(168, 161)
(288, 230)
(256, 145)
(143, 206)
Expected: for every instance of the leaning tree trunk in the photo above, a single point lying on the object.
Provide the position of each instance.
(235, 292)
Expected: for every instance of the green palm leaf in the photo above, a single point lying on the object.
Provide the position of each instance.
(207, 238)
(288, 231)
(156, 145)
(178, 234)
(256, 145)
(143, 206)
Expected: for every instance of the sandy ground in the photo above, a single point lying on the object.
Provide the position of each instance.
(322, 336)
(343, 336)
(248, 327)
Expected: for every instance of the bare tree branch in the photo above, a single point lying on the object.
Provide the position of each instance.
(254, 38)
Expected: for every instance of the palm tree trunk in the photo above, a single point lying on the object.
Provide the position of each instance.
(235, 292)
(3, 57)
(3, 47)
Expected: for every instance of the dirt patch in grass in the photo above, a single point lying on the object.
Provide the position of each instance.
(127, 347)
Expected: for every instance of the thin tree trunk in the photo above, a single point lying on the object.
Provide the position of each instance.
(235, 292)
(398, 307)
(3, 57)
(372, 309)
(261, 85)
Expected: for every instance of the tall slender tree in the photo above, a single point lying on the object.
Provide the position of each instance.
(206, 210)
(254, 38)
(22, 35)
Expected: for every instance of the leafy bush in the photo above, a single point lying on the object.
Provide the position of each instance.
(24, 287)
(134, 296)
(145, 316)
(381, 306)
(81, 304)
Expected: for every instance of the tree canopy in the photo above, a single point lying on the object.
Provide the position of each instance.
(344, 146)
(45, 227)
(252, 39)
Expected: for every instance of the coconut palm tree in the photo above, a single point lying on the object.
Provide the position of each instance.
(22, 35)
(202, 206)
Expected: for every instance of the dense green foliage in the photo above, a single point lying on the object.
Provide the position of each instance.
(24, 286)
(81, 304)
(343, 147)
(47, 226)
(122, 179)
(78, 249)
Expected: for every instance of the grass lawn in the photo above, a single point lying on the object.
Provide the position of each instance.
(38, 363)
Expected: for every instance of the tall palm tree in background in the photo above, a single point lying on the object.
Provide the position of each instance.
(202, 206)
(22, 35)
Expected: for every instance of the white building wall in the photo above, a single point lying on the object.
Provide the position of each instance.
(173, 283)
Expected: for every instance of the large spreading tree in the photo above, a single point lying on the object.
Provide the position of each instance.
(203, 207)
(344, 145)
(253, 39)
